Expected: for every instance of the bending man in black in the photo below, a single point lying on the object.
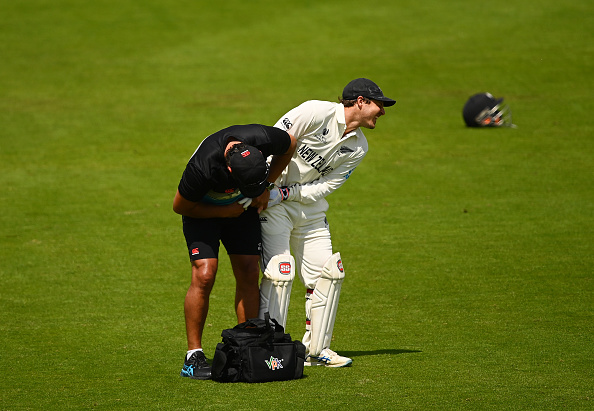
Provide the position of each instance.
(221, 193)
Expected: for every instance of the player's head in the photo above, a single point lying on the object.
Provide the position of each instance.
(364, 103)
(484, 110)
(248, 168)
(362, 87)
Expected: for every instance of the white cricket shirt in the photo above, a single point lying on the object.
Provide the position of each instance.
(323, 159)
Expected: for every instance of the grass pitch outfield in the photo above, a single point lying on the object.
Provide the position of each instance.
(468, 253)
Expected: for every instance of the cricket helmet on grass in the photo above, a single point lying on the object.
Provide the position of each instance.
(484, 110)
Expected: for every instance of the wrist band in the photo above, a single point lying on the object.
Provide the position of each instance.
(284, 191)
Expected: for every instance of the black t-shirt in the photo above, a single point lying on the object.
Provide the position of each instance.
(206, 177)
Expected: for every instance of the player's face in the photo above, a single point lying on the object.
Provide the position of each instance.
(371, 112)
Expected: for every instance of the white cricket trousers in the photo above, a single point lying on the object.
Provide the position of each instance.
(299, 229)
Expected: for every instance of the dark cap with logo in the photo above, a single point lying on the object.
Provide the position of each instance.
(365, 88)
(249, 169)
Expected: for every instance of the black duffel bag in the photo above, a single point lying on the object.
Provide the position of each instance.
(257, 351)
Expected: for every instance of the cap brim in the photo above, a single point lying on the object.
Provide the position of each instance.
(387, 101)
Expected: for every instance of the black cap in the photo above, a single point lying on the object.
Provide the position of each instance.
(366, 88)
(475, 106)
(249, 169)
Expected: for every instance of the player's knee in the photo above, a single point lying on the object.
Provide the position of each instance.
(248, 279)
(280, 268)
(333, 268)
(203, 274)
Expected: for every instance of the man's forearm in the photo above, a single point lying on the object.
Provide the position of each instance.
(204, 210)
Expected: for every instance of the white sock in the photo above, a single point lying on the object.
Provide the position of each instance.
(190, 352)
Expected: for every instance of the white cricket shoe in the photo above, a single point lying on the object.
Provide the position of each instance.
(328, 358)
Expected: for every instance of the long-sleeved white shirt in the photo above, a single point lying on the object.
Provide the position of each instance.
(324, 158)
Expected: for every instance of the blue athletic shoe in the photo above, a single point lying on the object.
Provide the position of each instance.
(196, 367)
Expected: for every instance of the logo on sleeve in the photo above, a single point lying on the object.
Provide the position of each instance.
(286, 123)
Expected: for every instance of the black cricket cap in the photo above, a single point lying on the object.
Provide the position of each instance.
(249, 169)
(366, 88)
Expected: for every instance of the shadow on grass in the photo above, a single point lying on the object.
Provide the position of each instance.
(377, 352)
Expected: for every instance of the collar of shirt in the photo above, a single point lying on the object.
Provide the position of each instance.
(342, 121)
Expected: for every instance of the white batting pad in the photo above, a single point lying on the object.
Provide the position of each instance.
(275, 288)
(324, 304)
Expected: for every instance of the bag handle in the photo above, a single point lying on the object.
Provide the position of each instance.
(261, 323)
(262, 327)
(253, 323)
(272, 322)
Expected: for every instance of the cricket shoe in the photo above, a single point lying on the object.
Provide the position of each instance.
(196, 367)
(328, 358)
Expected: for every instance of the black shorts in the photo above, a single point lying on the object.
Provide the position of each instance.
(240, 235)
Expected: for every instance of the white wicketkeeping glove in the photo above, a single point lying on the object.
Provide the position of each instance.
(245, 202)
(278, 194)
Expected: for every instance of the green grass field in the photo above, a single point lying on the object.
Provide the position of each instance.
(468, 253)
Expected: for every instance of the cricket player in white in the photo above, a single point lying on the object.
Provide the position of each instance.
(295, 232)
